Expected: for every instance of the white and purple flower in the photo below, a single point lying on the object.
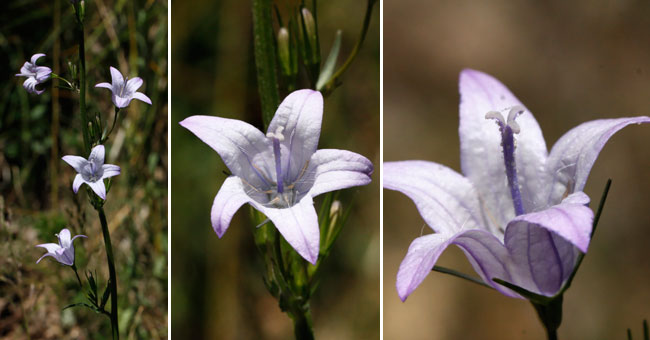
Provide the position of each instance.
(124, 90)
(35, 74)
(63, 251)
(92, 171)
(517, 211)
(279, 172)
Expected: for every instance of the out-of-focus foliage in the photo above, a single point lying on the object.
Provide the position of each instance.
(568, 62)
(217, 286)
(36, 199)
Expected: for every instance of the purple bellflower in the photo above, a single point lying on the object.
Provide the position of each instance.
(63, 251)
(124, 90)
(92, 171)
(35, 74)
(279, 172)
(517, 212)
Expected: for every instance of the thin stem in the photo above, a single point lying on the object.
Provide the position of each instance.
(74, 267)
(302, 325)
(105, 136)
(82, 79)
(111, 272)
(460, 275)
(550, 315)
(267, 81)
(56, 76)
(334, 80)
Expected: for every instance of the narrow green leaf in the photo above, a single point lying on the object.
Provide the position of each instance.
(330, 64)
(458, 274)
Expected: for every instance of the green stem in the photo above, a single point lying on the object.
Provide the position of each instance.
(74, 267)
(267, 81)
(551, 316)
(56, 76)
(111, 272)
(105, 136)
(82, 80)
(334, 80)
(302, 325)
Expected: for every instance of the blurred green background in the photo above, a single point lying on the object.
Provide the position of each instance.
(36, 200)
(569, 62)
(217, 286)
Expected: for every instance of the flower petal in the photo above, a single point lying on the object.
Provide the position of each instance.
(76, 184)
(542, 243)
(99, 188)
(331, 169)
(446, 200)
(300, 116)
(44, 256)
(299, 226)
(133, 84)
(121, 102)
(480, 144)
(244, 149)
(572, 157)
(77, 162)
(97, 154)
(64, 238)
(229, 199)
(110, 170)
(51, 247)
(36, 56)
(484, 251)
(105, 85)
(142, 97)
(42, 73)
(418, 262)
(84, 236)
(116, 78)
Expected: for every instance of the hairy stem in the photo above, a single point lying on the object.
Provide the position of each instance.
(267, 81)
(111, 272)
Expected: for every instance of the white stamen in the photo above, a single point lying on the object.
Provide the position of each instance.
(515, 111)
(277, 134)
(495, 115)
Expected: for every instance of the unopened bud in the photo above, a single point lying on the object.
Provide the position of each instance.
(335, 208)
(311, 39)
(283, 51)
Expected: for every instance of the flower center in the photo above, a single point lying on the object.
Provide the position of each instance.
(92, 171)
(508, 129)
(277, 137)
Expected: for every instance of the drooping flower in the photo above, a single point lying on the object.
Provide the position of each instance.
(279, 173)
(517, 212)
(63, 251)
(124, 90)
(35, 74)
(92, 171)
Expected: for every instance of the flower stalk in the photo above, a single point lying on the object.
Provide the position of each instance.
(267, 81)
(78, 7)
(111, 271)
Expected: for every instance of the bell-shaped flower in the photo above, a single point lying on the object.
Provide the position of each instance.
(92, 171)
(279, 172)
(35, 74)
(517, 212)
(63, 251)
(124, 90)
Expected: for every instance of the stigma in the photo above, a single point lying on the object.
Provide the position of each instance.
(508, 129)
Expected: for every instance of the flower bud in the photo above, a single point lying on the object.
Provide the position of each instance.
(312, 51)
(284, 54)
